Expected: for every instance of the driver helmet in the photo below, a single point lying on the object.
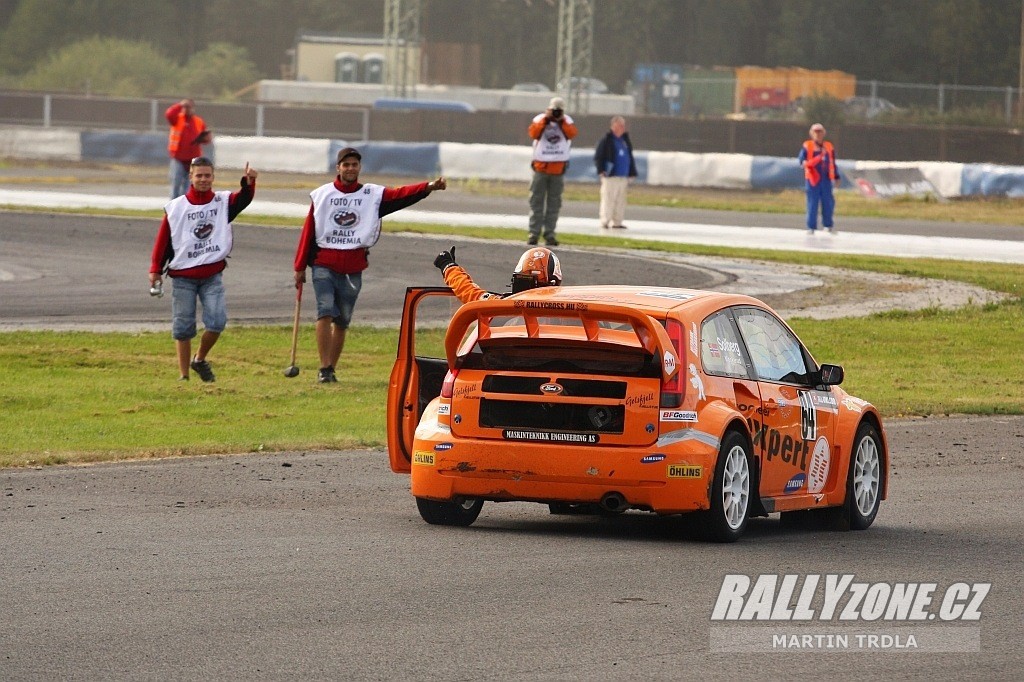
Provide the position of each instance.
(537, 267)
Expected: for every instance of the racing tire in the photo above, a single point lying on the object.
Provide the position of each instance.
(726, 519)
(864, 481)
(462, 513)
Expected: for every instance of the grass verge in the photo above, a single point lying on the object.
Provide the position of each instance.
(82, 397)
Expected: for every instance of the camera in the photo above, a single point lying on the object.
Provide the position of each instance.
(157, 289)
(556, 114)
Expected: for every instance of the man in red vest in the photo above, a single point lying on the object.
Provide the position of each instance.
(185, 142)
(818, 158)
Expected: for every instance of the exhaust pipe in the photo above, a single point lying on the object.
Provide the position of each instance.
(614, 502)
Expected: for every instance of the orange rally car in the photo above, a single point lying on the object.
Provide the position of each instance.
(614, 398)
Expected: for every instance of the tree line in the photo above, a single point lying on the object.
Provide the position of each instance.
(966, 42)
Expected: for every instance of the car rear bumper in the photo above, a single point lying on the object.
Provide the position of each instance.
(662, 479)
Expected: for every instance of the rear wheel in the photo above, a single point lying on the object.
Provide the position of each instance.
(726, 520)
(864, 482)
(462, 513)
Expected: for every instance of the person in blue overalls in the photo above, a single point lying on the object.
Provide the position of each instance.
(818, 157)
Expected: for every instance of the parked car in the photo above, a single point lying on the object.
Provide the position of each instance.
(617, 398)
(868, 107)
(531, 87)
(592, 86)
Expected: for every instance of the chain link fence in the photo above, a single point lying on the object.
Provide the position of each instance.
(872, 101)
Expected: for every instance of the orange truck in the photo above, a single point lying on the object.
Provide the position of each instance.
(608, 399)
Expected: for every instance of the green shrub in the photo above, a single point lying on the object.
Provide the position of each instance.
(107, 66)
(219, 71)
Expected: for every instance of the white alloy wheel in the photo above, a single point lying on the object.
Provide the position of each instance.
(735, 487)
(866, 476)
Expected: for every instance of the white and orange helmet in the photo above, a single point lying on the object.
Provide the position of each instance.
(537, 267)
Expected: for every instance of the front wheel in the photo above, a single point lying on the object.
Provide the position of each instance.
(864, 482)
(462, 513)
(726, 520)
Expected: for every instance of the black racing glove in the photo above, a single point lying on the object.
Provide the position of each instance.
(445, 259)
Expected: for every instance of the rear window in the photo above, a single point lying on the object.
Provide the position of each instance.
(547, 355)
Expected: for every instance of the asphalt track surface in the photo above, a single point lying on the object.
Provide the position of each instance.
(81, 272)
(315, 565)
(310, 565)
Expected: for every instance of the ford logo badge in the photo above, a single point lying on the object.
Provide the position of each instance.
(551, 389)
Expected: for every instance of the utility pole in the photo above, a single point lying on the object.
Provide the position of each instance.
(401, 38)
(1020, 75)
(575, 51)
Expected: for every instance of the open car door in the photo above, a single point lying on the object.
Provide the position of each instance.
(420, 367)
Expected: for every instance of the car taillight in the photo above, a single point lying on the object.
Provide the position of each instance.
(672, 390)
(449, 383)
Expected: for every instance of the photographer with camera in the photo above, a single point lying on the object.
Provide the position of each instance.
(552, 133)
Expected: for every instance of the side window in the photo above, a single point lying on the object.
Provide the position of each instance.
(721, 352)
(774, 351)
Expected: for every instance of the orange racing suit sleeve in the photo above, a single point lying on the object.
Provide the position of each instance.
(462, 284)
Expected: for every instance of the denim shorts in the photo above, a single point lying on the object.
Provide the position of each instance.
(210, 292)
(336, 294)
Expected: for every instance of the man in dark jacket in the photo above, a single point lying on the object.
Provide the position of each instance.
(615, 166)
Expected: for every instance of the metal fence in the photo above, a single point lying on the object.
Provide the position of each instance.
(147, 115)
(979, 102)
(876, 101)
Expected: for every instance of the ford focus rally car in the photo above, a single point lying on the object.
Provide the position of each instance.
(623, 397)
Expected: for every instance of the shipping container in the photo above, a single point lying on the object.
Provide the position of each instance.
(657, 88)
(753, 81)
(708, 92)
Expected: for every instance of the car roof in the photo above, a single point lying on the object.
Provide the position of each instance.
(649, 299)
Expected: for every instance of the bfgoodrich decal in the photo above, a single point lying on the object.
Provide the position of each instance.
(678, 416)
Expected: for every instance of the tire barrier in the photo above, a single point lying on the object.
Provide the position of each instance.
(486, 161)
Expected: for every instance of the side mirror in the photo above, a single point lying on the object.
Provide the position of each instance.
(831, 375)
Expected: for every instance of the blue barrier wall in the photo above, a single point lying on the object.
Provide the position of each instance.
(988, 180)
(773, 172)
(423, 160)
(146, 149)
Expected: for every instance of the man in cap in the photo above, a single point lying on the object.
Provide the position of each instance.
(343, 222)
(552, 133)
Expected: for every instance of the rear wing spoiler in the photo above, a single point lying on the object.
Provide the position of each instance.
(649, 332)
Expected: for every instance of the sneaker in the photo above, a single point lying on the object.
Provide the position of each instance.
(605, 227)
(551, 242)
(532, 241)
(830, 230)
(183, 378)
(202, 368)
(326, 376)
(618, 227)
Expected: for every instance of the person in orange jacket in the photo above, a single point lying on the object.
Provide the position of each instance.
(537, 267)
(818, 158)
(552, 133)
(185, 142)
